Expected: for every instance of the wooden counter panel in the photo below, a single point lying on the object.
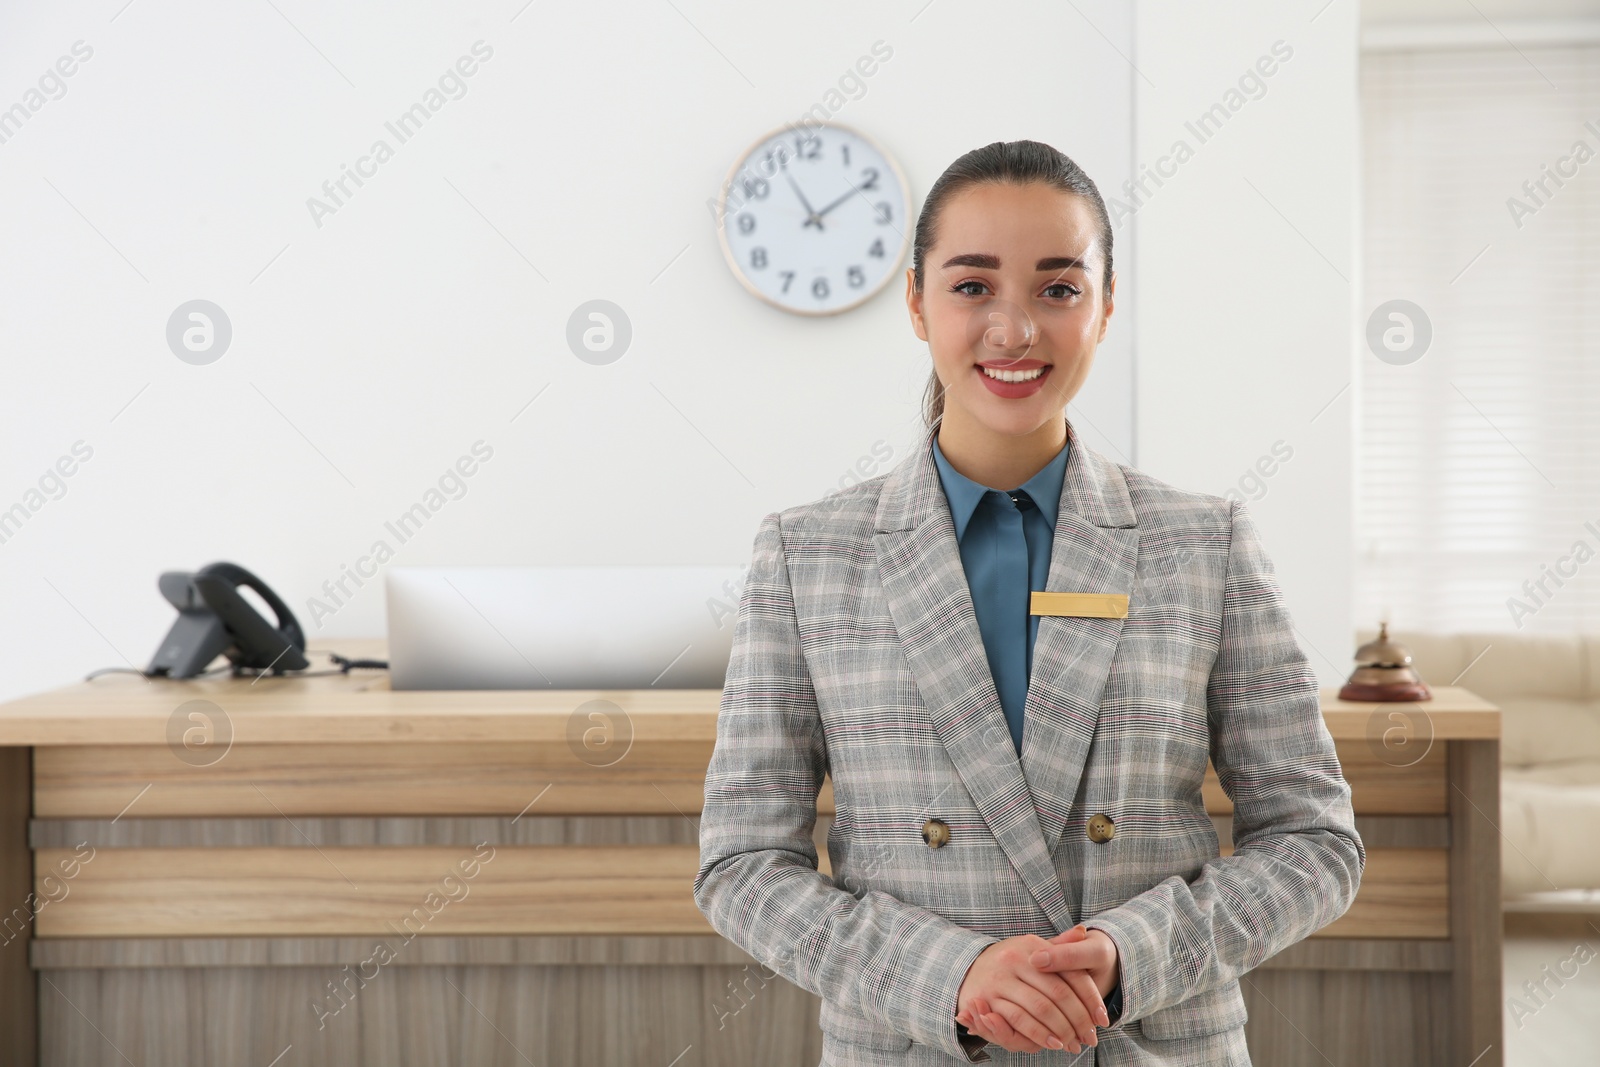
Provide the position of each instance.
(18, 985)
(148, 781)
(566, 889)
(388, 779)
(520, 950)
(349, 892)
(1404, 893)
(636, 950)
(1376, 787)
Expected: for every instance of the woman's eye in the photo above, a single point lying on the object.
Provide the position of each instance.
(1062, 291)
(961, 287)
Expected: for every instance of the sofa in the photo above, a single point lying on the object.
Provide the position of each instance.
(1548, 690)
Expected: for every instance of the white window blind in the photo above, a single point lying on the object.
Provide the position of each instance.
(1479, 462)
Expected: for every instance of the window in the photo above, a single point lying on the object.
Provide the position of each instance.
(1479, 466)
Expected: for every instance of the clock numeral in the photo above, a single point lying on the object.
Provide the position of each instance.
(758, 258)
(756, 188)
(777, 158)
(858, 277)
(819, 288)
(869, 178)
(884, 212)
(844, 148)
(787, 276)
(747, 223)
(876, 249)
(807, 146)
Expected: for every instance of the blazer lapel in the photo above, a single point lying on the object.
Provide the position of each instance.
(1095, 549)
(1025, 803)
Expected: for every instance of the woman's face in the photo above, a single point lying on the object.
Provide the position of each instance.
(1012, 285)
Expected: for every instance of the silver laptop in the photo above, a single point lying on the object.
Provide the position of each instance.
(561, 627)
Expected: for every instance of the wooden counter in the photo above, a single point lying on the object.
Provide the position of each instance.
(246, 845)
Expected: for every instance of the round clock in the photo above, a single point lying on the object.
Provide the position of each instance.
(815, 220)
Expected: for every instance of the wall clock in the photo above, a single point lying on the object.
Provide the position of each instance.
(815, 220)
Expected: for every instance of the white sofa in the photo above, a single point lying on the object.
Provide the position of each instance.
(1548, 690)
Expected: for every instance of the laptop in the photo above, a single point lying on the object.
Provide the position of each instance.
(561, 627)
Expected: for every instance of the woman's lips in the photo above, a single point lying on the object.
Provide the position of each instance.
(1013, 390)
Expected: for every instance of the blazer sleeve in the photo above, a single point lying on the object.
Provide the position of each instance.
(758, 884)
(1297, 859)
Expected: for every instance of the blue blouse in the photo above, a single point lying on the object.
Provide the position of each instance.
(987, 556)
(975, 509)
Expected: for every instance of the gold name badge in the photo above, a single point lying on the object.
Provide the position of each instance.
(1082, 605)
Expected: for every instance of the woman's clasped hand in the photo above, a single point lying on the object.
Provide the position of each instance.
(1027, 994)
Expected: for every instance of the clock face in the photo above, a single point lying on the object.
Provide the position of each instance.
(815, 220)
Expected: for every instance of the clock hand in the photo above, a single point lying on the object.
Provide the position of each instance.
(811, 214)
(853, 191)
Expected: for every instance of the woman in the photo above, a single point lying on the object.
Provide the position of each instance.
(1020, 850)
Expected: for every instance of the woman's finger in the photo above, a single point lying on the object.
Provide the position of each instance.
(1088, 994)
(1007, 1038)
(1075, 933)
(1031, 1028)
(1058, 1005)
(998, 1030)
(974, 1021)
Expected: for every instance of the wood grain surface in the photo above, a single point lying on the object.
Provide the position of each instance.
(146, 781)
(340, 891)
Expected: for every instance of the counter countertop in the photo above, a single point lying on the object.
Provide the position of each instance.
(126, 709)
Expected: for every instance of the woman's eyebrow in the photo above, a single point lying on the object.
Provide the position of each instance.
(1059, 263)
(986, 261)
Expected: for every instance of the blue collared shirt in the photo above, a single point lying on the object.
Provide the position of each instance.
(973, 509)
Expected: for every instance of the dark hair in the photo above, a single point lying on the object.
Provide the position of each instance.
(1017, 162)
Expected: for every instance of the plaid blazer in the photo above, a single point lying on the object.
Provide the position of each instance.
(856, 654)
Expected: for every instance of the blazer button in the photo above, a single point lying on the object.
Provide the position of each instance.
(1101, 828)
(936, 832)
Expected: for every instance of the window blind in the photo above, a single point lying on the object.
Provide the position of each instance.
(1478, 503)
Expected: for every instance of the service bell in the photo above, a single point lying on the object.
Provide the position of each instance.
(1384, 672)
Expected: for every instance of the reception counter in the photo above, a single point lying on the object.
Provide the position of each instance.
(309, 871)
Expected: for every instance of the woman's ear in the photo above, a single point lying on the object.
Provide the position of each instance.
(1110, 306)
(914, 305)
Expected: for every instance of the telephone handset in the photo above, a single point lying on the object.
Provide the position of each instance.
(213, 619)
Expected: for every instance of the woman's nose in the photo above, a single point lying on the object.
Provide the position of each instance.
(1005, 328)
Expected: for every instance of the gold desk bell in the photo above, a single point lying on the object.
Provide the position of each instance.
(1384, 672)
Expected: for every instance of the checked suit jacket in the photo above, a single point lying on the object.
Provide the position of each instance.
(857, 655)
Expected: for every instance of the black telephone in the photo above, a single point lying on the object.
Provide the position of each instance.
(213, 619)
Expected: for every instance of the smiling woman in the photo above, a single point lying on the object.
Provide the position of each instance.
(1014, 682)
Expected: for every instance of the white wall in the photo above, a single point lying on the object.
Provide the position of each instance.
(1248, 268)
(371, 351)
